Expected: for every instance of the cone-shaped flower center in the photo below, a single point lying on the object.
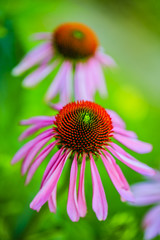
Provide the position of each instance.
(75, 40)
(84, 127)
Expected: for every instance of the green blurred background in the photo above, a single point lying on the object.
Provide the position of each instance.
(130, 32)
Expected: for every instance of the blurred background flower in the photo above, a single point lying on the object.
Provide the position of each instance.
(129, 31)
(73, 47)
(147, 193)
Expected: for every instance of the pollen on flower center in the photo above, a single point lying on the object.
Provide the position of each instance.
(75, 40)
(86, 118)
(78, 34)
(84, 127)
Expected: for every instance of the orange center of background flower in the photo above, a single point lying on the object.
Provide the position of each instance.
(75, 40)
(84, 127)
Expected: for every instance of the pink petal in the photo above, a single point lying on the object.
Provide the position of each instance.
(116, 119)
(32, 153)
(57, 82)
(35, 56)
(80, 82)
(152, 223)
(117, 177)
(105, 59)
(52, 200)
(55, 163)
(151, 215)
(146, 193)
(99, 202)
(52, 165)
(121, 150)
(156, 177)
(39, 119)
(66, 89)
(43, 154)
(98, 77)
(82, 208)
(32, 130)
(38, 75)
(57, 106)
(124, 132)
(47, 189)
(133, 144)
(24, 150)
(72, 205)
(134, 164)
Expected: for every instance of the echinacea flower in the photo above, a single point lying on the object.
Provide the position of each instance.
(82, 130)
(147, 193)
(76, 47)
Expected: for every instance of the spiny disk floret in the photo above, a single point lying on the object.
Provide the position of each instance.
(75, 41)
(83, 126)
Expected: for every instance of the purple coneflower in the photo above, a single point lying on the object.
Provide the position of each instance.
(81, 130)
(76, 48)
(147, 193)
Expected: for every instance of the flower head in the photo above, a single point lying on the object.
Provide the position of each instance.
(81, 130)
(75, 41)
(147, 193)
(87, 129)
(74, 46)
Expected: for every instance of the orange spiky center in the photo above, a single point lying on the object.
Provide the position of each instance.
(83, 127)
(75, 41)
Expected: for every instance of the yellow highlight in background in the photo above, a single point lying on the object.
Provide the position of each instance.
(131, 103)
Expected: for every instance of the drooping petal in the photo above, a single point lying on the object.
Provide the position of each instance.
(57, 82)
(116, 119)
(38, 119)
(99, 202)
(151, 223)
(133, 144)
(38, 75)
(134, 164)
(117, 177)
(33, 129)
(72, 205)
(24, 150)
(52, 165)
(56, 106)
(156, 177)
(47, 189)
(82, 208)
(98, 77)
(124, 132)
(80, 83)
(35, 56)
(52, 200)
(42, 155)
(67, 90)
(105, 59)
(32, 153)
(121, 150)
(146, 193)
